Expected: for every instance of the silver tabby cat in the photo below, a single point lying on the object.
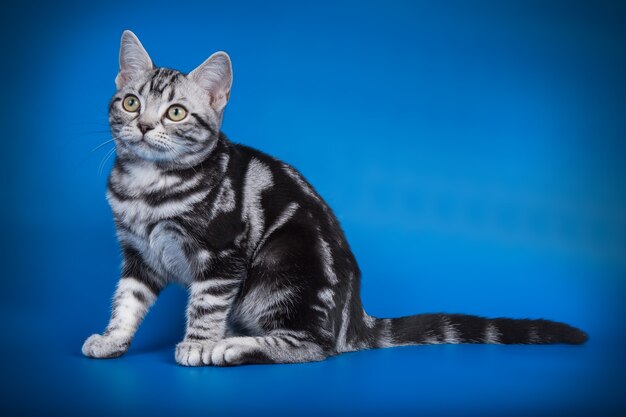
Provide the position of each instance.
(270, 275)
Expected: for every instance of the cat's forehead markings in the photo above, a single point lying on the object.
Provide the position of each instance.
(161, 79)
(172, 93)
(142, 88)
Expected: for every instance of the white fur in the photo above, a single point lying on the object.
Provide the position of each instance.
(144, 177)
(200, 287)
(208, 300)
(327, 261)
(261, 303)
(370, 321)
(190, 353)
(258, 178)
(225, 200)
(342, 344)
(386, 338)
(129, 313)
(228, 351)
(450, 333)
(136, 212)
(282, 219)
(492, 335)
(232, 350)
(327, 296)
(103, 346)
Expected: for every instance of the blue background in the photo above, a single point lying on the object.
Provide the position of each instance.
(473, 151)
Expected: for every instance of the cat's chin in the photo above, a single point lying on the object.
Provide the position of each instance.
(146, 152)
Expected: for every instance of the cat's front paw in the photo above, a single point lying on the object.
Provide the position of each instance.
(192, 353)
(99, 346)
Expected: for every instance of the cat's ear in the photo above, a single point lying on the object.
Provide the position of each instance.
(134, 59)
(215, 76)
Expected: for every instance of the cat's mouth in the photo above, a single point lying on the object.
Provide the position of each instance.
(152, 145)
(150, 151)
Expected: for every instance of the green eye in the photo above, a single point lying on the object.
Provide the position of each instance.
(176, 113)
(131, 103)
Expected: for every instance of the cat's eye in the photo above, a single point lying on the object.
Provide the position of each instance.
(131, 103)
(176, 113)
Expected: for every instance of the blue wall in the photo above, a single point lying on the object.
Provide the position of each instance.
(473, 151)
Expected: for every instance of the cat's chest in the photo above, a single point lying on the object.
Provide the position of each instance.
(167, 249)
(147, 206)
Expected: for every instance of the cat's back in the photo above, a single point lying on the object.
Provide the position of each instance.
(275, 193)
(282, 180)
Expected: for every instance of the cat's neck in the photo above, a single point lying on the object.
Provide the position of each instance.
(139, 176)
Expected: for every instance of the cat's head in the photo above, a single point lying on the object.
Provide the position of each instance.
(163, 115)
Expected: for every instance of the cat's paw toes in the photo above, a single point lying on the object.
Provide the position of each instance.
(99, 346)
(192, 353)
(232, 351)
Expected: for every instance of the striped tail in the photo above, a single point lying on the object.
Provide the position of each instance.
(427, 329)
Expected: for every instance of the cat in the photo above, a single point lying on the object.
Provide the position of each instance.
(270, 275)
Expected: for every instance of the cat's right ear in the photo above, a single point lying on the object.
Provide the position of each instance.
(134, 60)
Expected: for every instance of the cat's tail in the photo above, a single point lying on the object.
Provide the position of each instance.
(427, 329)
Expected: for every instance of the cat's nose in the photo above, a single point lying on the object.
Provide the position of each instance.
(143, 128)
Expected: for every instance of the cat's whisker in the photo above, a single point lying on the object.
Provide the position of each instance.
(95, 132)
(101, 145)
(86, 139)
(92, 122)
(106, 157)
(86, 155)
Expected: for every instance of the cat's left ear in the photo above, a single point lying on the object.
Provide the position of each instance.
(134, 60)
(215, 76)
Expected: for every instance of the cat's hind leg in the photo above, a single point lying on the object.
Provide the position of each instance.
(279, 305)
(279, 347)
